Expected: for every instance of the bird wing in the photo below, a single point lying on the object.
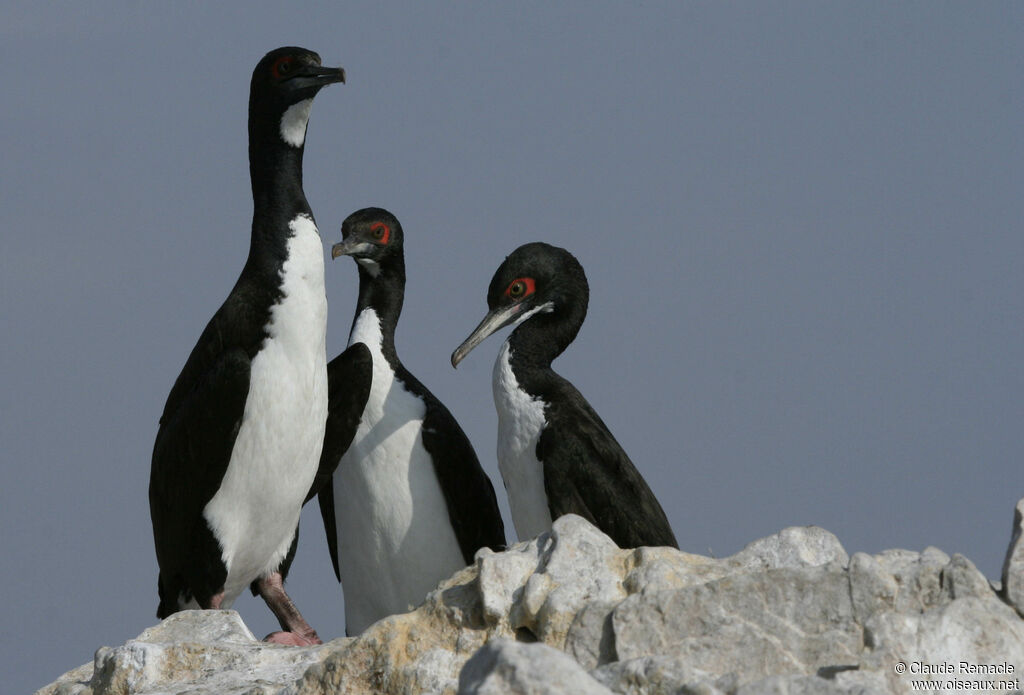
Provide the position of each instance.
(349, 376)
(587, 473)
(468, 493)
(193, 445)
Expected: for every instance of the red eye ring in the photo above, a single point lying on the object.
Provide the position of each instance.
(520, 288)
(385, 232)
(282, 66)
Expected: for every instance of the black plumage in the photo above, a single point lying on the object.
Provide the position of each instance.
(472, 504)
(544, 291)
(206, 408)
(349, 377)
(395, 570)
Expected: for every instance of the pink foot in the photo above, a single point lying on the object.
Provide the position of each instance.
(292, 639)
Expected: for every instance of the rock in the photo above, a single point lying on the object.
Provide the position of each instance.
(591, 638)
(802, 685)
(918, 577)
(580, 565)
(872, 588)
(972, 630)
(74, 682)
(194, 651)
(753, 624)
(798, 546)
(1013, 567)
(962, 579)
(661, 675)
(503, 667)
(568, 611)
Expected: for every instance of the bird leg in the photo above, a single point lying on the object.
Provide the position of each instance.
(296, 631)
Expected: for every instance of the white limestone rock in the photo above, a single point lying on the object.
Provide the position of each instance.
(753, 624)
(661, 675)
(970, 630)
(804, 685)
(192, 651)
(581, 565)
(962, 579)
(797, 546)
(1012, 585)
(504, 667)
(790, 613)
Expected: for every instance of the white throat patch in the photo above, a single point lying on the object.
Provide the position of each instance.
(545, 308)
(372, 267)
(293, 122)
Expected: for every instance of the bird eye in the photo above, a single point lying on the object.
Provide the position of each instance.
(380, 232)
(282, 67)
(520, 288)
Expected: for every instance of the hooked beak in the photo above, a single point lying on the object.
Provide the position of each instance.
(351, 247)
(495, 320)
(314, 77)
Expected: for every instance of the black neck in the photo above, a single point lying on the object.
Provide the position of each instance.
(384, 294)
(544, 336)
(275, 171)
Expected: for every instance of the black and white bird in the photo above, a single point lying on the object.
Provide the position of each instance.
(240, 436)
(555, 454)
(410, 504)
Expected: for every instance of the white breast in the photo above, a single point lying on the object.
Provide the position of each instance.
(256, 510)
(520, 421)
(395, 540)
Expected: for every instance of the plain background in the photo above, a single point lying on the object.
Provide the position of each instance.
(801, 223)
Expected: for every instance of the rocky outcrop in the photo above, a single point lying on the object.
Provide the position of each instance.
(504, 667)
(569, 612)
(1013, 567)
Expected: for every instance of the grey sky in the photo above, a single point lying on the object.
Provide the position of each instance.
(801, 223)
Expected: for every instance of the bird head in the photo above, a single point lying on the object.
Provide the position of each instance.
(535, 279)
(372, 237)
